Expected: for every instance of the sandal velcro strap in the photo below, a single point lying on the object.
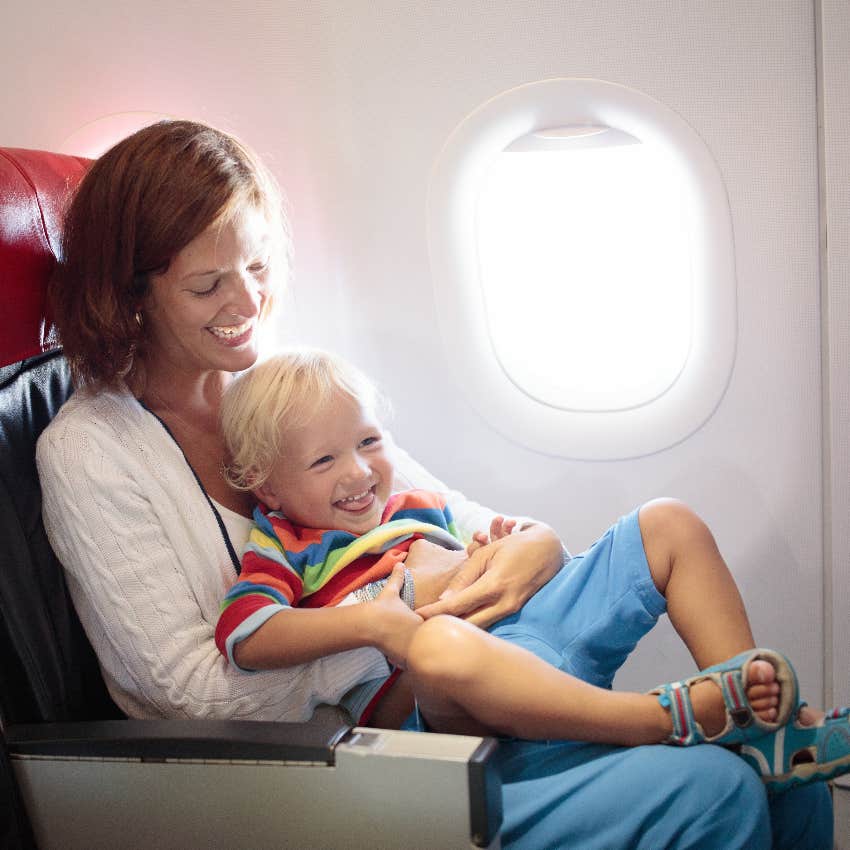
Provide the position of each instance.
(735, 697)
(676, 698)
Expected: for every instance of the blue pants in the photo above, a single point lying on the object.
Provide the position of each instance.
(565, 794)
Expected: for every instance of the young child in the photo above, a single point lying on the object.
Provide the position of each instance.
(329, 544)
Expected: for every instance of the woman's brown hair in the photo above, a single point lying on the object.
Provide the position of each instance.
(139, 205)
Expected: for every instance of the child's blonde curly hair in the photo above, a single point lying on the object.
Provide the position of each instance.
(285, 389)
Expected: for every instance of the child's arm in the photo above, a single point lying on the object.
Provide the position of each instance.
(297, 635)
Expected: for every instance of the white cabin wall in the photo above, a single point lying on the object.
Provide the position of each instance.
(351, 104)
(835, 36)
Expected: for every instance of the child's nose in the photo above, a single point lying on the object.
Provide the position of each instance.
(358, 467)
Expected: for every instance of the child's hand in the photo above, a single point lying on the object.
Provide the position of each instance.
(394, 622)
(499, 528)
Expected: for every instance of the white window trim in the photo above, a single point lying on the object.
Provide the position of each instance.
(591, 435)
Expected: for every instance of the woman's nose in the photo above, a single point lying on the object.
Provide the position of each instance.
(248, 297)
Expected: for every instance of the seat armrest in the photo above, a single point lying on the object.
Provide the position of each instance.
(153, 740)
(186, 784)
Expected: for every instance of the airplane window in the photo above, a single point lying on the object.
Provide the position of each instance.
(582, 257)
(592, 231)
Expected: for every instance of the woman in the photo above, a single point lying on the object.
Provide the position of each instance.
(173, 249)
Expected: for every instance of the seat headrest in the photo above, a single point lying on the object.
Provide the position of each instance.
(35, 187)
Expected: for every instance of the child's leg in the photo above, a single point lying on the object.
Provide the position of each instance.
(703, 602)
(470, 682)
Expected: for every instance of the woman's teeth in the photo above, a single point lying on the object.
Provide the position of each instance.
(230, 331)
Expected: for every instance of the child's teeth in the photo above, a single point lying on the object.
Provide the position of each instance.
(355, 498)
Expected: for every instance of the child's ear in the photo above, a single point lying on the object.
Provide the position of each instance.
(266, 494)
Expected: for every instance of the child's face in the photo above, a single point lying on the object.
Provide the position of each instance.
(334, 471)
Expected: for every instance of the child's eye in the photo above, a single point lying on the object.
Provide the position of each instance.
(325, 459)
(370, 441)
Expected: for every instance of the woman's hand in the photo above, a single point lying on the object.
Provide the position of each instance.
(432, 568)
(392, 622)
(500, 577)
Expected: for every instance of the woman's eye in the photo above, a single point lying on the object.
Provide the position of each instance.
(209, 290)
(259, 267)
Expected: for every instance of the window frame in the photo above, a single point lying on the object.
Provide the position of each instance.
(452, 195)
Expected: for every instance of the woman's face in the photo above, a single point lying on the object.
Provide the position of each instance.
(202, 313)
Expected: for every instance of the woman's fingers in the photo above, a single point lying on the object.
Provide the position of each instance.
(475, 594)
(471, 605)
(469, 573)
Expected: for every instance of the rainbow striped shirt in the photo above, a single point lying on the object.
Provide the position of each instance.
(286, 565)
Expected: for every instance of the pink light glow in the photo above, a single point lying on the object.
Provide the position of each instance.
(96, 137)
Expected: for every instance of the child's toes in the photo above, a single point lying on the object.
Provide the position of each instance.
(761, 672)
(764, 701)
(763, 692)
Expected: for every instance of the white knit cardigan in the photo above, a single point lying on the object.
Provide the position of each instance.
(148, 564)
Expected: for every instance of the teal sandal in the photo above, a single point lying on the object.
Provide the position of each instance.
(742, 723)
(799, 754)
(784, 753)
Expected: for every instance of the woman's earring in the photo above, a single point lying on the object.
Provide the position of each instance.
(138, 318)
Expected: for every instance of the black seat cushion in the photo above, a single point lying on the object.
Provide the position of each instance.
(48, 671)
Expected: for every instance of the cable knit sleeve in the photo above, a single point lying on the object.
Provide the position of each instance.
(147, 567)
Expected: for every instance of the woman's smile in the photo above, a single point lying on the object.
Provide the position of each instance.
(233, 335)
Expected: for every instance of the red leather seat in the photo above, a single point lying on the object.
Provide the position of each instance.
(34, 188)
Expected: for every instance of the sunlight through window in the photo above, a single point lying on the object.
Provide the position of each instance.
(583, 261)
(586, 272)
